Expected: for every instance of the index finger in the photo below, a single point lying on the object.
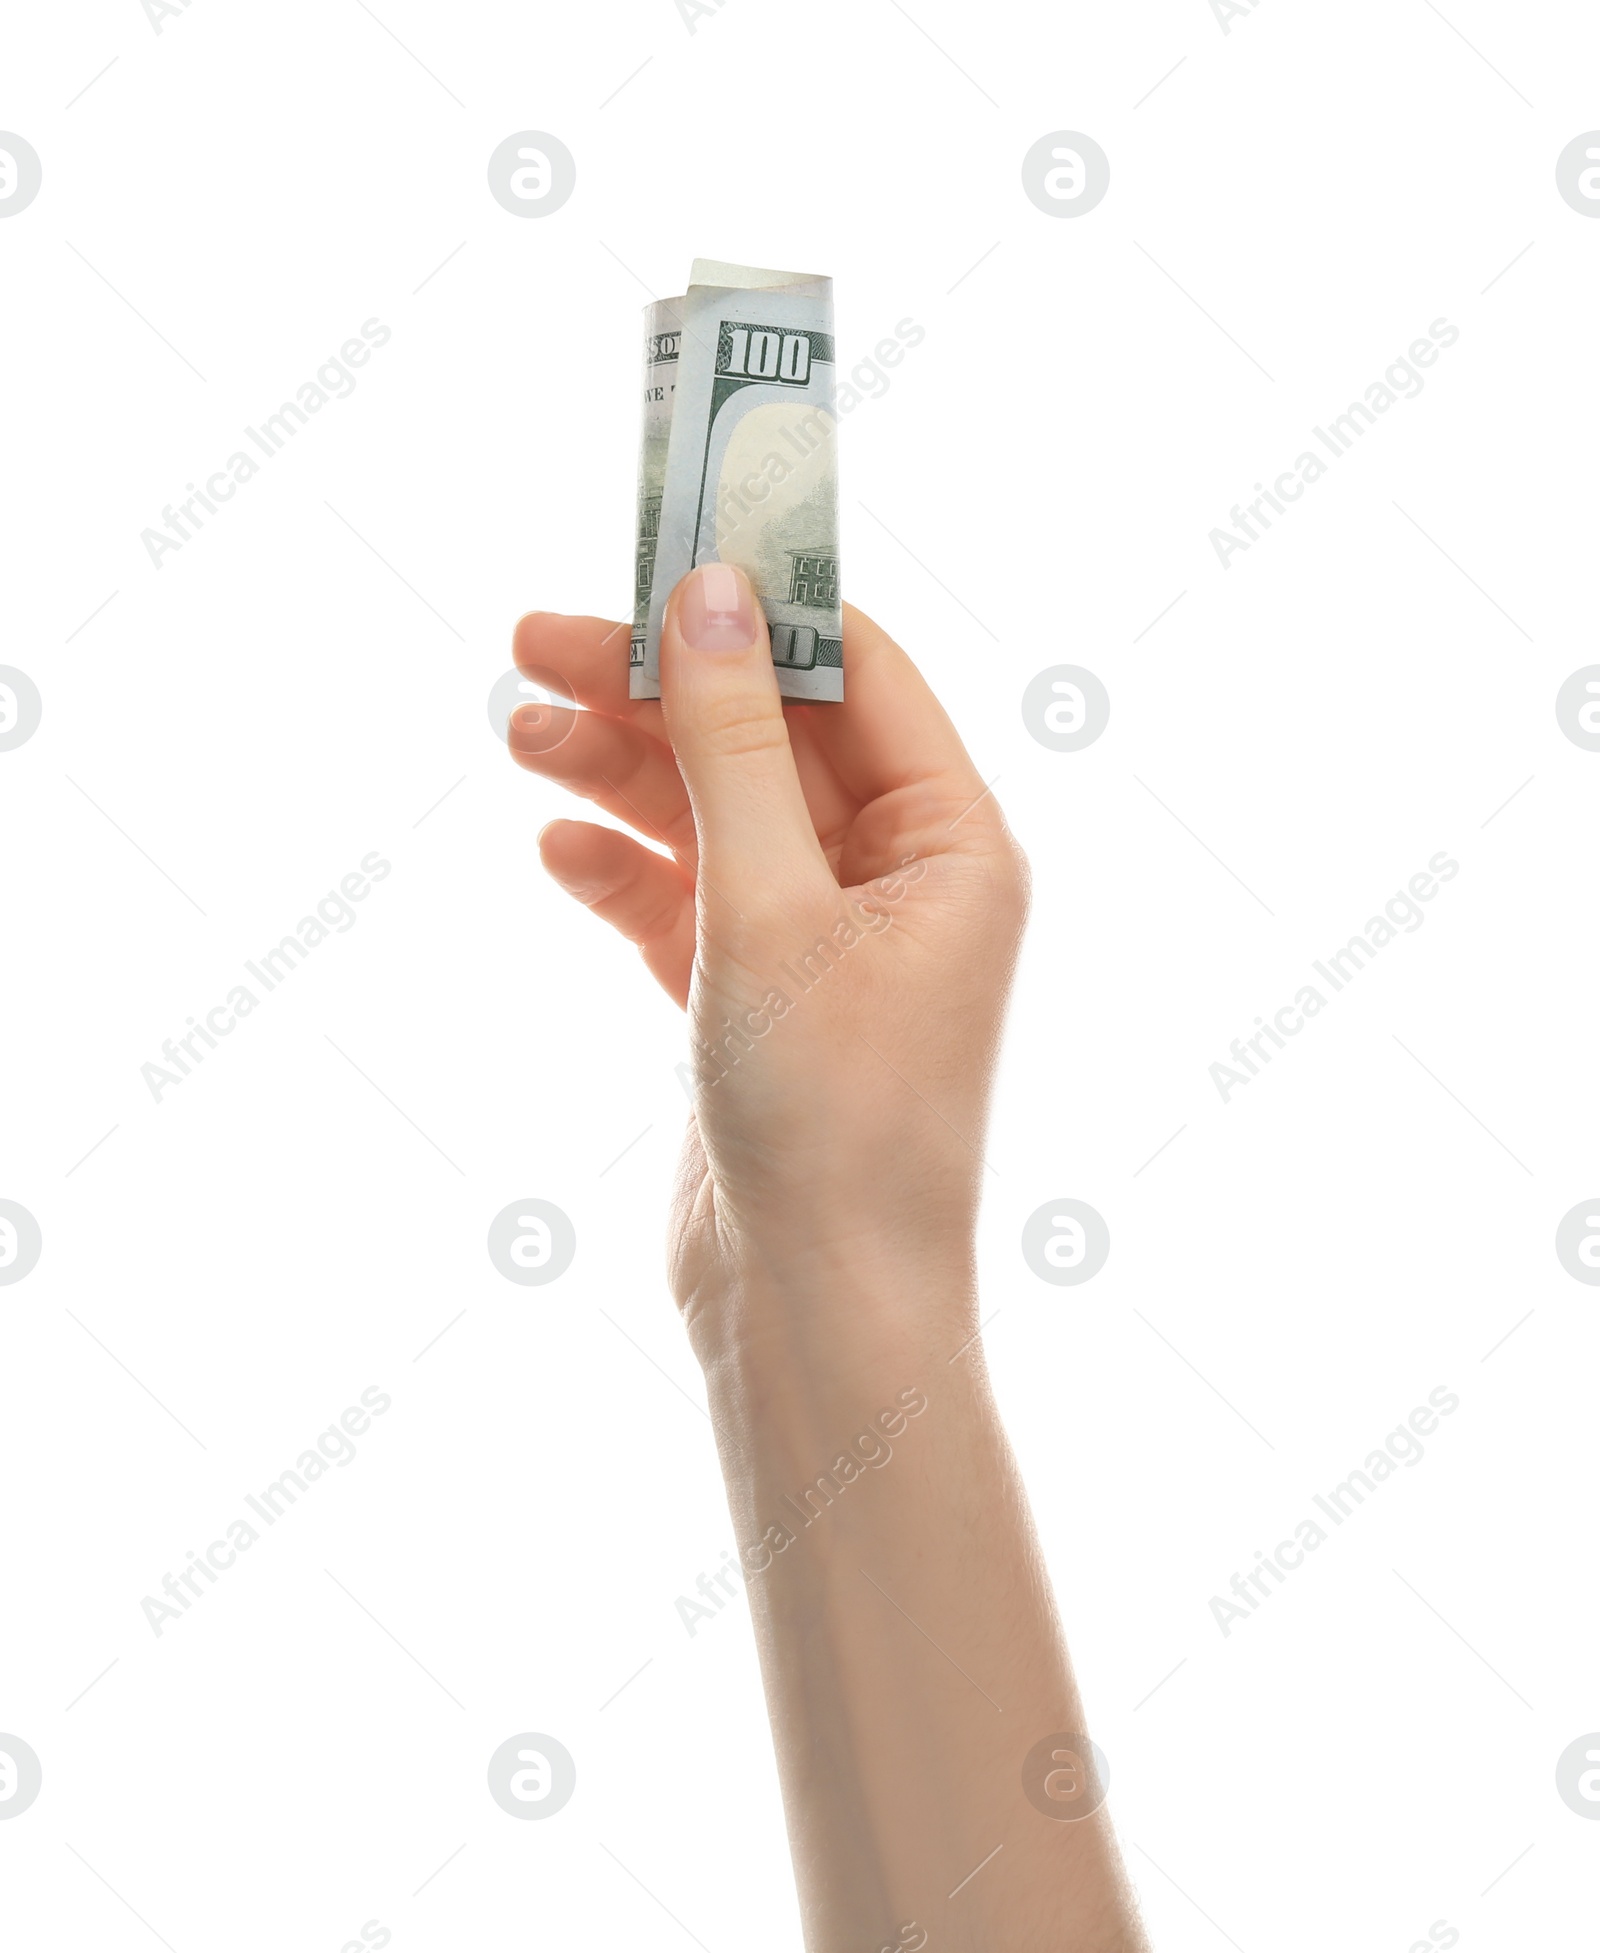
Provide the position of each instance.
(591, 654)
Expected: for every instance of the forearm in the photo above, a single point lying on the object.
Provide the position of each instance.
(911, 1655)
(841, 918)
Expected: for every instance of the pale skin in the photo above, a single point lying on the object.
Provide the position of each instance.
(837, 903)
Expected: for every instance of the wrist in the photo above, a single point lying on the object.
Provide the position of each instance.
(808, 1426)
(771, 1310)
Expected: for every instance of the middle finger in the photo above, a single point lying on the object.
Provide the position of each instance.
(617, 766)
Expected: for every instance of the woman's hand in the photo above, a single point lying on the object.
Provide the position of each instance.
(840, 914)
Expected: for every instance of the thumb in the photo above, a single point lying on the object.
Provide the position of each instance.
(724, 714)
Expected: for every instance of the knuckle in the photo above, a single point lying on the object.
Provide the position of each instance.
(652, 918)
(775, 915)
(1021, 872)
(1011, 879)
(739, 725)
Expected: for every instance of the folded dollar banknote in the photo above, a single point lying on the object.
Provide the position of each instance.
(738, 464)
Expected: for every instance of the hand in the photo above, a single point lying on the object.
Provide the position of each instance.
(840, 914)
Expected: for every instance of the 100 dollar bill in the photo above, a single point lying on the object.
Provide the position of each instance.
(738, 464)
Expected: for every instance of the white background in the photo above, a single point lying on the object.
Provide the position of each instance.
(305, 682)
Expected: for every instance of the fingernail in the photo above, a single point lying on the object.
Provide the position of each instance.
(717, 609)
